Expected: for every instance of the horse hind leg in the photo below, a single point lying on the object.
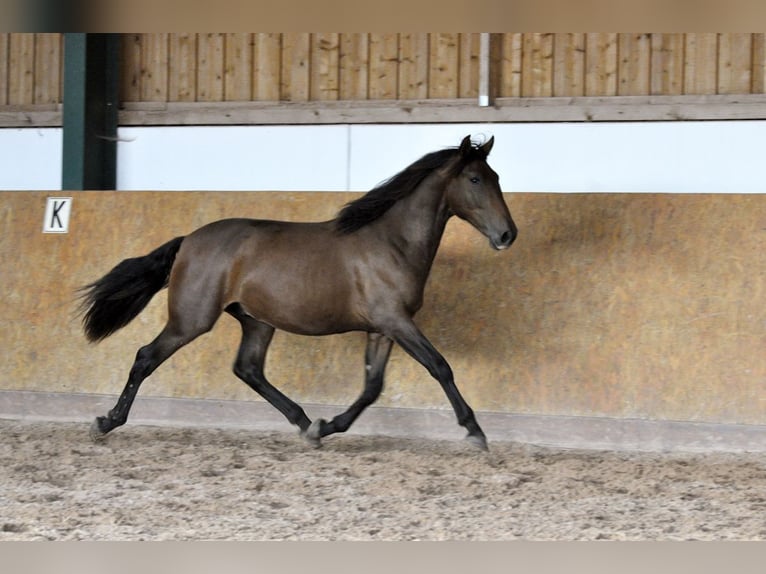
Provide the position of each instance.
(181, 329)
(193, 309)
(376, 357)
(147, 360)
(249, 367)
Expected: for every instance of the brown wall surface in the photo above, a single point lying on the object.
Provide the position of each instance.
(621, 305)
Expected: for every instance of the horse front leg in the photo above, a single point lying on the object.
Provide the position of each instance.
(407, 335)
(375, 358)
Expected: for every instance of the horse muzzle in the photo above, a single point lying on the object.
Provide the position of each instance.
(503, 240)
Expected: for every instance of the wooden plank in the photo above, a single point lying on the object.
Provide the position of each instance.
(238, 67)
(735, 63)
(130, 67)
(296, 53)
(468, 65)
(267, 66)
(324, 67)
(443, 65)
(47, 80)
(562, 109)
(21, 68)
(182, 74)
(569, 64)
(546, 109)
(5, 40)
(495, 65)
(667, 64)
(537, 65)
(383, 66)
(634, 66)
(413, 66)
(759, 63)
(354, 66)
(600, 64)
(510, 64)
(37, 115)
(154, 68)
(210, 67)
(701, 63)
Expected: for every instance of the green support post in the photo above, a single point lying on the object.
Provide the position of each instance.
(91, 99)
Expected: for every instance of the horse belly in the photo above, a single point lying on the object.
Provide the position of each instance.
(306, 295)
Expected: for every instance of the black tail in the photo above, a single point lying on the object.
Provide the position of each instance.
(119, 296)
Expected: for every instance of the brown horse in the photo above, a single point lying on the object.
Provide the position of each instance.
(365, 270)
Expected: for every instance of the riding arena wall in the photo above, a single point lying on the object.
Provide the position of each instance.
(628, 306)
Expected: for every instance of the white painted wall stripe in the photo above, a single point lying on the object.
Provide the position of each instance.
(666, 157)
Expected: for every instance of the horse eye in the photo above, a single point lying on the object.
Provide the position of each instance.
(475, 180)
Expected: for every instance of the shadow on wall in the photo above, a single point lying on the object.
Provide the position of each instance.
(627, 304)
(481, 303)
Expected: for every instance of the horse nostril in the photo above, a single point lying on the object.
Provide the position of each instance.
(504, 240)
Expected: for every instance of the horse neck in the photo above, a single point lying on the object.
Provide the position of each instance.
(415, 224)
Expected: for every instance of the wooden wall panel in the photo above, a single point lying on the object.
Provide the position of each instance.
(443, 66)
(510, 65)
(238, 70)
(569, 63)
(468, 66)
(182, 72)
(735, 61)
(267, 66)
(154, 67)
(634, 65)
(145, 64)
(759, 64)
(5, 40)
(537, 65)
(600, 64)
(700, 69)
(667, 64)
(48, 68)
(210, 68)
(414, 55)
(354, 66)
(21, 69)
(130, 71)
(384, 66)
(296, 67)
(303, 67)
(324, 72)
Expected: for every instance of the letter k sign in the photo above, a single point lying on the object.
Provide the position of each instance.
(57, 212)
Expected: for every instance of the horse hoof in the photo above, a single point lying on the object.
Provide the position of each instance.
(96, 434)
(312, 435)
(479, 441)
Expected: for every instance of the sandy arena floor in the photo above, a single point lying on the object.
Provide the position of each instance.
(151, 483)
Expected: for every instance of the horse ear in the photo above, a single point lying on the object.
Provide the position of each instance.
(465, 145)
(487, 147)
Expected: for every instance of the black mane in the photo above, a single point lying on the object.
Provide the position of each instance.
(380, 199)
